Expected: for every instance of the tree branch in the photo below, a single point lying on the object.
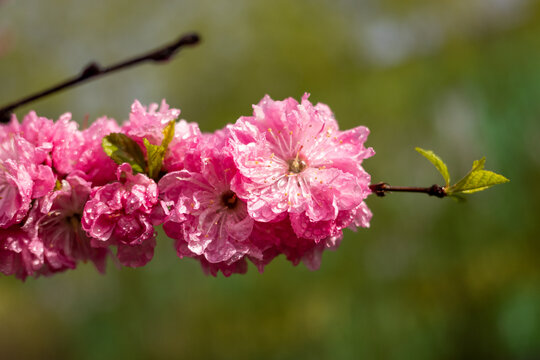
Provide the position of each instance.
(94, 70)
(380, 189)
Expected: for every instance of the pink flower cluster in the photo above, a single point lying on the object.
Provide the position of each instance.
(283, 181)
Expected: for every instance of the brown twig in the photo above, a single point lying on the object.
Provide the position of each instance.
(94, 70)
(380, 189)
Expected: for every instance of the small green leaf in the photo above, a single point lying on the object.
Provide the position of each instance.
(155, 155)
(122, 149)
(477, 179)
(168, 135)
(435, 160)
(478, 164)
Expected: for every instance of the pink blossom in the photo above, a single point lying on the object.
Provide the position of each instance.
(305, 228)
(292, 159)
(279, 238)
(98, 167)
(21, 179)
(149, 123)
(57, 142)
(15, 193)
(119, 214)
(58, 226)
(206, 218)
(67, 142)
(186, 139)
(37, 130)
(21, 254)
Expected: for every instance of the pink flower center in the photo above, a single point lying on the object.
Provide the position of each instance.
(297, 165)
(74, 221)
(229, 199)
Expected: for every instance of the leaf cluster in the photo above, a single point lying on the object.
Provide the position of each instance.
(477, 179)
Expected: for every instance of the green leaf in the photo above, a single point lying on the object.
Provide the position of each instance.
(477, 179)
(155, 155)
(122, 149)
(435, 160)
(168, 135)
(477, 166)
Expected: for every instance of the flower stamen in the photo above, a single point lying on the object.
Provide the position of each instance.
(297, 165)
(229, 199)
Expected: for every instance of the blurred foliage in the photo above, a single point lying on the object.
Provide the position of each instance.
(429, 279)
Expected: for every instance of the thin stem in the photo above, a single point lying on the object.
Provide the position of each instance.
(94, 70)
(380, 189)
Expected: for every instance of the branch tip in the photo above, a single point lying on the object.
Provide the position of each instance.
(190, 39)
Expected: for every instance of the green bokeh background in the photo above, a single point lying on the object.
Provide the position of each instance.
(431, 279)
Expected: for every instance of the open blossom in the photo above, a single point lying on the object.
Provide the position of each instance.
(120, 214)
(149, 123)
(67, 141)
(293, 160)
(59, 141)
(206, 218)
(58, 226)
(37, 130)
(22, 179)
